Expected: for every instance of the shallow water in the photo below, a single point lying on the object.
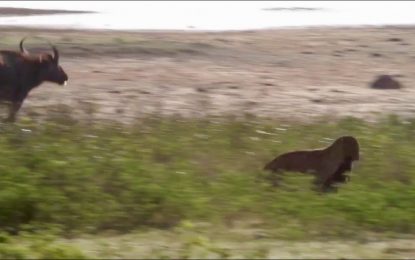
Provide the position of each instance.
(213, 15)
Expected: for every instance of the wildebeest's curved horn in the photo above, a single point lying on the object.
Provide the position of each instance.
(55, 52)
(22, 49)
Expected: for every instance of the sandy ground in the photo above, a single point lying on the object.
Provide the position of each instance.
(290, 74)
(237, 244)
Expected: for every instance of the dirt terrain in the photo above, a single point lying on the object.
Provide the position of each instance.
(238, 244)
(285, 74)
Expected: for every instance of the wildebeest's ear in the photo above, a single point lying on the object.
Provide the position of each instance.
(46, 61)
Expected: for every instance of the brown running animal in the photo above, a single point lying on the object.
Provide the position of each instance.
(20, 72)
(328, 165)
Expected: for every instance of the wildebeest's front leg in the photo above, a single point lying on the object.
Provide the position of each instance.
(15, 106)
(13, 109)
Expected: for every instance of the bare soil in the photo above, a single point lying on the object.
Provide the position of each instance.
(237, 244)
(284, 74)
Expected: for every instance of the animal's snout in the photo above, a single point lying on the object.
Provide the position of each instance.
(64, 81)
(64, 78)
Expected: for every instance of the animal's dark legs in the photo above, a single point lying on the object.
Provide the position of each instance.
(336, 177)
(323, 186)
(318, 184)
(18, 99)
(327, 186)
(13, 109)
(339, 176)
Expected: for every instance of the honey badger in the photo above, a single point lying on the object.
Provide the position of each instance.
(328, 165)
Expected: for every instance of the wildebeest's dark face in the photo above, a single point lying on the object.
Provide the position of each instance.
(51, 71)
(48, 66)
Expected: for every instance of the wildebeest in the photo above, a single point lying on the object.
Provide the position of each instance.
(328, 165)
(20, 72)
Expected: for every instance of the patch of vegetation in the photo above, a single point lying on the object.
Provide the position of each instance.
(39, 246)
(159, 172)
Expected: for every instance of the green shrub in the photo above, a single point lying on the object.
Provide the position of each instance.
(13, 252)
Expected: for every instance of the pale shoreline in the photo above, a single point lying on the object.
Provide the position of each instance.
(196, 31)
(21, 12)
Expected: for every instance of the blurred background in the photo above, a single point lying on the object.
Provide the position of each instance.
(155, 148)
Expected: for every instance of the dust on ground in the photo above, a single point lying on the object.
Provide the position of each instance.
(285, 74)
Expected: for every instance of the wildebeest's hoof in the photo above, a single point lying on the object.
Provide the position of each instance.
(9, 120)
